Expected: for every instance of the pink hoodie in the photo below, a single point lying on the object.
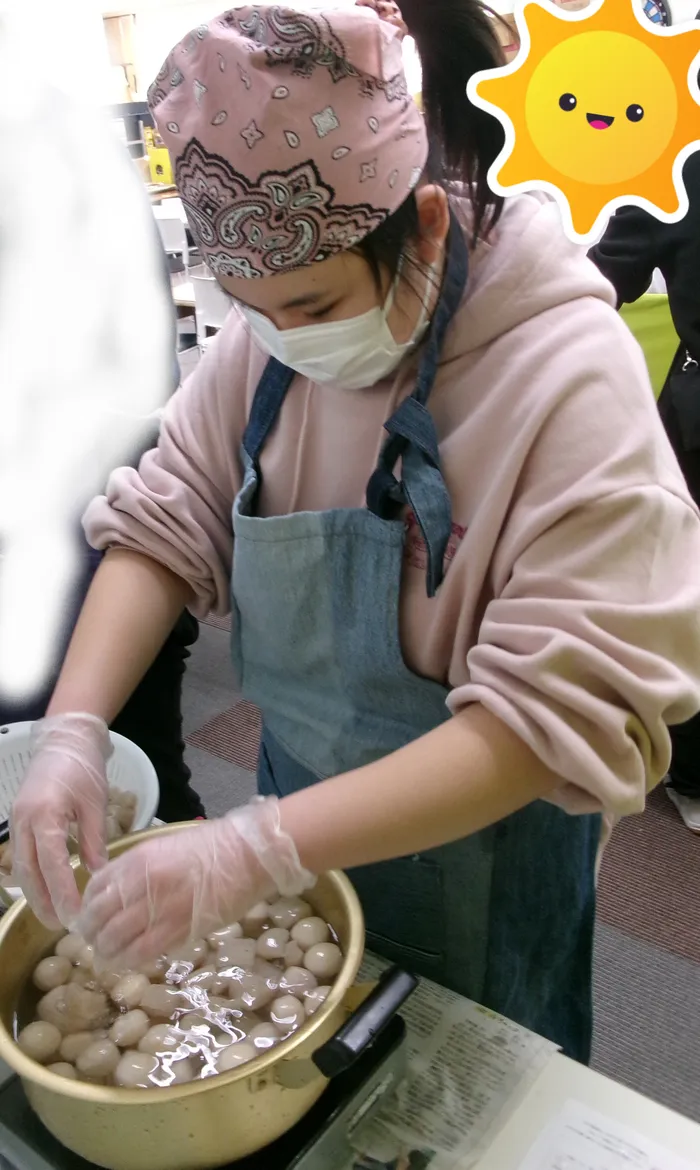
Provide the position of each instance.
(571, 604)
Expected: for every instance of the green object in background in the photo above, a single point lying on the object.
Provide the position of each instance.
(650, 321)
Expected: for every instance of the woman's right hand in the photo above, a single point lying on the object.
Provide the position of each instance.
(65, 785)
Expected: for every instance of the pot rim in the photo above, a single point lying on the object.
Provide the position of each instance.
(29, 1069)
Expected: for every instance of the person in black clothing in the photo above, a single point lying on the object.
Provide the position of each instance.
(634, 245)
(152, 718)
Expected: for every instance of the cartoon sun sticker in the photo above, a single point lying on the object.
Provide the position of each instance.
(600, 107)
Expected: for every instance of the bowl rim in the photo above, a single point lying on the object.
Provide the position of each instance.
(154, 787)
(141, 823)
(38, 1074)
(22, 730)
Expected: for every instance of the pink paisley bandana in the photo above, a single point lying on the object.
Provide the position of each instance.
(293, 135)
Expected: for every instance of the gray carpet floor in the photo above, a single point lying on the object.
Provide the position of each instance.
(647, 967)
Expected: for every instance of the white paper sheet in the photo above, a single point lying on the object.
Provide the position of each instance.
(579, 1138)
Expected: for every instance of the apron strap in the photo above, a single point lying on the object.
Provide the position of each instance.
(412, 435)
(267, 403)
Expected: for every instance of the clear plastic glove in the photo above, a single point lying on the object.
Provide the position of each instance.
(188, 884)
(65, 785)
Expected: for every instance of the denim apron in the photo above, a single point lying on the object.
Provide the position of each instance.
(504, 917)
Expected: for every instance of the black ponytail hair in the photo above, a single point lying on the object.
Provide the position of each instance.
(455, 39)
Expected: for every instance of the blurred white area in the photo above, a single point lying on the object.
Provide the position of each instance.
(85, 327)
(683, 10)
(160, 24)
(69, 44)
(77, 34)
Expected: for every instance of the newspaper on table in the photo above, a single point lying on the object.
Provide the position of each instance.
(468, 1070)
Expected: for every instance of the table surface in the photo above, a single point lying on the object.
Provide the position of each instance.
(183, 294)
(562, 1081)
(169, 211)
(158, 191)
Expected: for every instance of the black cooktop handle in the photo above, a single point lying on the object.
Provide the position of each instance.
(368, 1022)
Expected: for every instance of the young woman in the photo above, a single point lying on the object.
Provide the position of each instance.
(423, 466)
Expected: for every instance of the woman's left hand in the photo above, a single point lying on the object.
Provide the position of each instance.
(187, 884)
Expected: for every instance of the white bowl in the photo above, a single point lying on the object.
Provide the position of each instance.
(128, 768)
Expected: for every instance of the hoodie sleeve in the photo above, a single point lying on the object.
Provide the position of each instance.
(590, 646)
(176, 508)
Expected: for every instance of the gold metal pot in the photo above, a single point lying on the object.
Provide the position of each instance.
(193, 1126)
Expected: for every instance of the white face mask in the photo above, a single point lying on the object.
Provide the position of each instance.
(353, 354)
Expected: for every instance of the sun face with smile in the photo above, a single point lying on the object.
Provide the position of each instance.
(606, 126)
(598, 110)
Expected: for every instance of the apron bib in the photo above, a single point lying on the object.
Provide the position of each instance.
(504, 917)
